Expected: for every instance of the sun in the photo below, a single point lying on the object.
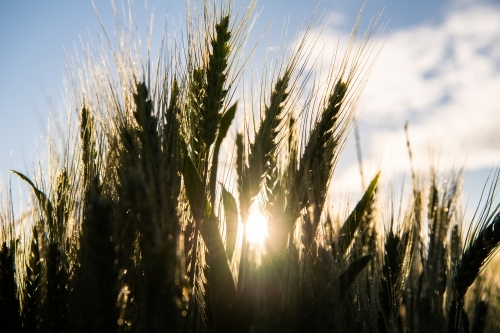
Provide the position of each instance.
(256, 228)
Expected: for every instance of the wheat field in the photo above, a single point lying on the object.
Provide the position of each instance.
(182, 201)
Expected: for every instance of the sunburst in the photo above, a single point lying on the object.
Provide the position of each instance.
(256, 228)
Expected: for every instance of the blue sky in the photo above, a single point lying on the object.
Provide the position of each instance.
(439, 69)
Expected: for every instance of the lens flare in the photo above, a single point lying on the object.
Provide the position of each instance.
(256, 227)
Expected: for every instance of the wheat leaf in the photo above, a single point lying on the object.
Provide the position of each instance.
(222, 288)
(221, 283)
(41, 197)
(352, 222)
(231, 213)
(347, 278)
(225, 122)
(192, 182)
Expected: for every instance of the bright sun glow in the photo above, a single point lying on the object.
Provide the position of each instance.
(256, 227)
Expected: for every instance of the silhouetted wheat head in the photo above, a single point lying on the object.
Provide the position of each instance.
(141, 216)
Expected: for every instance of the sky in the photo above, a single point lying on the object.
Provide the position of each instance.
(438, 70)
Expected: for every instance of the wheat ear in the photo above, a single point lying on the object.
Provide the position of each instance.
(485, 244)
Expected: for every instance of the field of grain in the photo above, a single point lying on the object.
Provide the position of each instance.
(151, 217)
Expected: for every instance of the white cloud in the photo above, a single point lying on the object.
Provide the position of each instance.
(444, 79)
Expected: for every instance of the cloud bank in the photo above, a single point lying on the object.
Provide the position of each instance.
(445, 80)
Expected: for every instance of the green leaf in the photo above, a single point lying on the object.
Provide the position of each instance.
(193, 183)
(227, 119)
(220, 281)
(225, 122)
(347, 278)
(351, 224)
(231, 213)
(41, 197)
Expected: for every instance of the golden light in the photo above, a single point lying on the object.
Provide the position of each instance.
(256, 229)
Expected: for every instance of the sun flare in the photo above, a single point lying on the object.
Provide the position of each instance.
(256, 227)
